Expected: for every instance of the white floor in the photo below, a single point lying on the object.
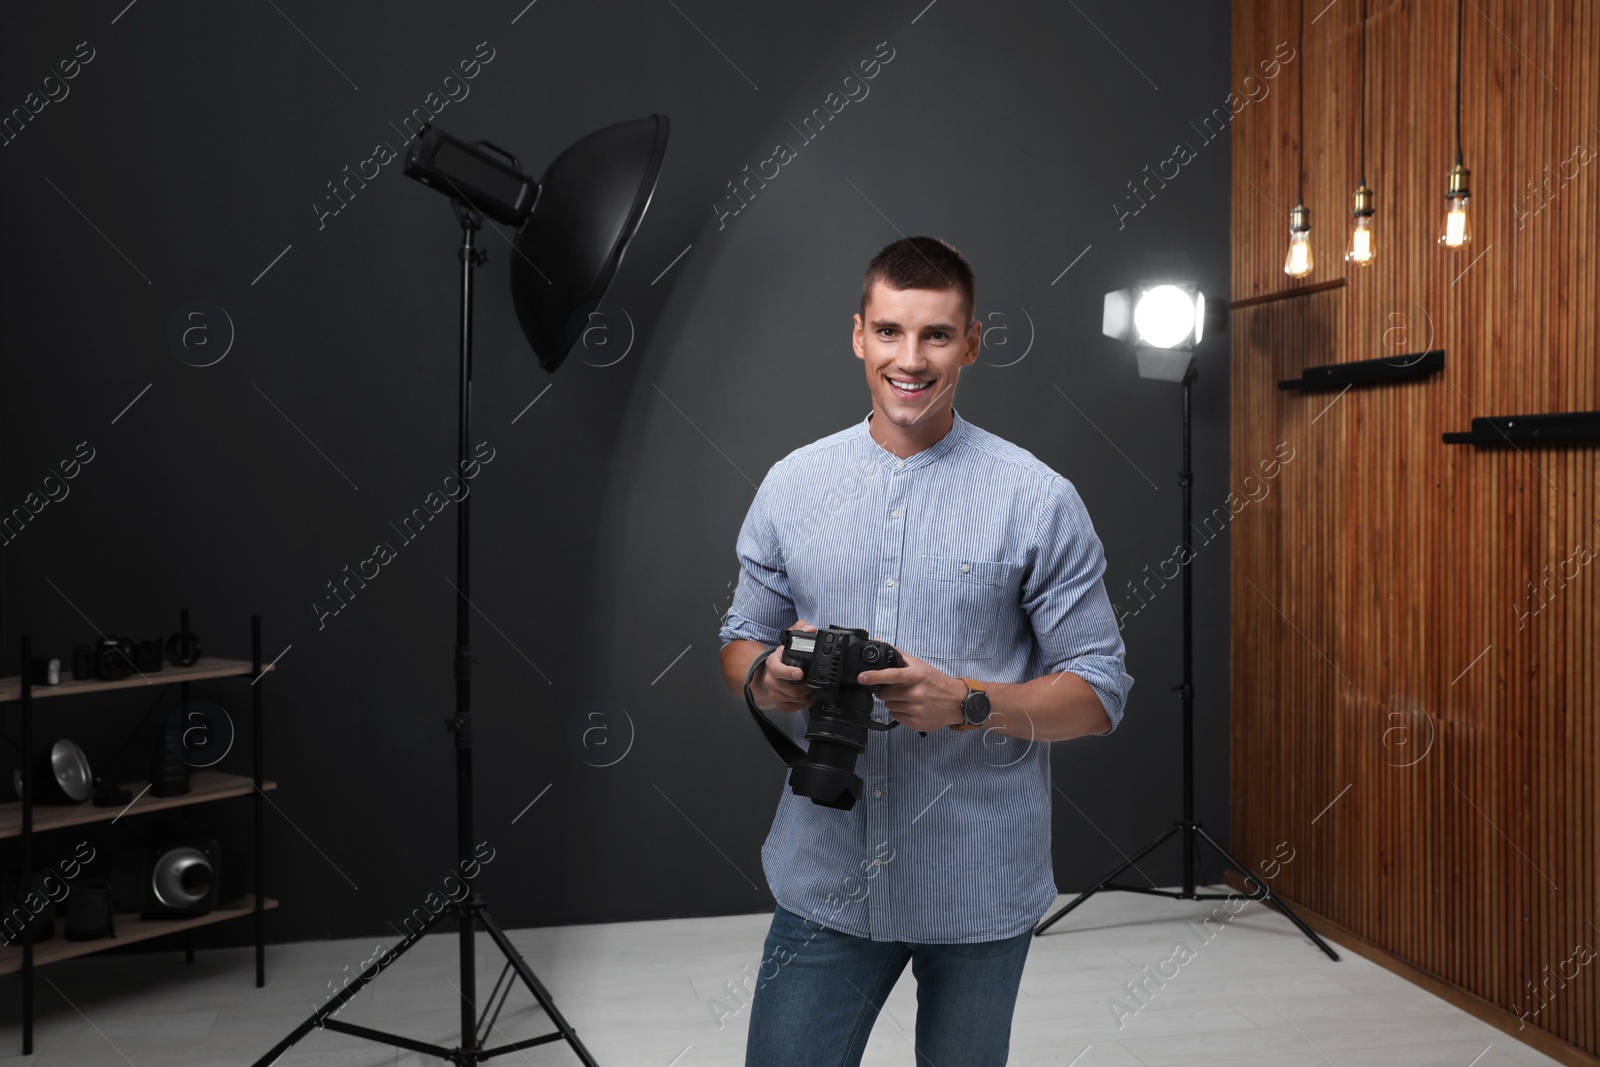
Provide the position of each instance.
(1257, 993)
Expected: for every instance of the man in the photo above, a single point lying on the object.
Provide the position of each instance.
(979, 564)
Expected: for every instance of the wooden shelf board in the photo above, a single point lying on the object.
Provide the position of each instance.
(128, 927)
(204, 667)
(203, 786)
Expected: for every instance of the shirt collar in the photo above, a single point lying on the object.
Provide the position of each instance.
(959, 429)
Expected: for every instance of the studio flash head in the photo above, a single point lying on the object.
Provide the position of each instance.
(486, 178)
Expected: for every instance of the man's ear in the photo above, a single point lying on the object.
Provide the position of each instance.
(856, 338)
(974, 342)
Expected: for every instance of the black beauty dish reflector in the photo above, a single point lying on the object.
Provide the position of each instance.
(590, 202)
(573, 226)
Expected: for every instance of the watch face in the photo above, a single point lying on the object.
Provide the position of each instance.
(976, 708)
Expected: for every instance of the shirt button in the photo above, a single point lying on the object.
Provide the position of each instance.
(965, 568)
(900, 466)
(888, 581)
(877, 792)
(895, 513)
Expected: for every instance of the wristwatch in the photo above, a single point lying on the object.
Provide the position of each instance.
(975, 708)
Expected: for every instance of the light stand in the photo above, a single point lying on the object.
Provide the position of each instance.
(1192, 831)
(472, 910)
(577, 220)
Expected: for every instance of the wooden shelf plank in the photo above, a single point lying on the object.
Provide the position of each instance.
(204, 667)
(203, 786)
(128, 927)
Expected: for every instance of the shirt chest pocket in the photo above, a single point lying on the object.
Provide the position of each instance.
(956, 608)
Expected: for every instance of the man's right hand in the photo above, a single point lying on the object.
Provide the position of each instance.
(778, 685)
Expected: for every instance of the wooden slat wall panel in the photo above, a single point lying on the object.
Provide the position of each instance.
(1383, 632)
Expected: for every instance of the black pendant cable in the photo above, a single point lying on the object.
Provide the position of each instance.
(1298, 262)
(1362, 249)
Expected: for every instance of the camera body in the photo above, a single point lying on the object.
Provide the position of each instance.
(833, 659)
(108, 657)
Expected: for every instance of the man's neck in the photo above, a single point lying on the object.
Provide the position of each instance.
(907, 443)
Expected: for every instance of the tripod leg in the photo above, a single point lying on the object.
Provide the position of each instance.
(1107, 880)
(535, 986)
(337, 1003)
(491, 1010)
(1266, 896)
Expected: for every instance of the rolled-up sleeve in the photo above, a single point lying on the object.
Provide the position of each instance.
(1064, 596)
(763, 605)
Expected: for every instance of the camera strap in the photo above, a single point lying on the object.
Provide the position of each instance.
(781, 743)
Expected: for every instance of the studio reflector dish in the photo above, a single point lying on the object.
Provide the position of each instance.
(590, 202)
(61, 775)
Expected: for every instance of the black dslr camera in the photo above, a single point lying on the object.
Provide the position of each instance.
(842, 713)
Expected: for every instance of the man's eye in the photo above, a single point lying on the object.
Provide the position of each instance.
(886, 332)
(939, 335)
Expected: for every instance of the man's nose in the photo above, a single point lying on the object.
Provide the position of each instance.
(914, 358)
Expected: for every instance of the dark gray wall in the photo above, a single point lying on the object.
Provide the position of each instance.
(197, 141)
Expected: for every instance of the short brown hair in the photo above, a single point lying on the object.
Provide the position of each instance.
(921, 263)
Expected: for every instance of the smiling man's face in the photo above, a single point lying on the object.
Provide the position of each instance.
(914, 343)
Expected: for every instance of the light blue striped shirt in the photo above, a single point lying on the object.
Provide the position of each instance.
(976, 557)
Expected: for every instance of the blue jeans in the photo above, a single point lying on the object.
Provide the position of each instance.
(819, 991)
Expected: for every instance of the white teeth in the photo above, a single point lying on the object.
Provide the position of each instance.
(911, 388)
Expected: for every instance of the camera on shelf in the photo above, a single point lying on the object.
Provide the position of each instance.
(107, 657)
(841, 715)
(111, 658)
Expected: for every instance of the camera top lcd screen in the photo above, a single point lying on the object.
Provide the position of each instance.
(802, 644)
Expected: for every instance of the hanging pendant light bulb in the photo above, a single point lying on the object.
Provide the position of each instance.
(1362, 249)
(1457, 227)
(1298, 262)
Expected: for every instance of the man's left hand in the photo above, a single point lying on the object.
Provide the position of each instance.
(919, 694)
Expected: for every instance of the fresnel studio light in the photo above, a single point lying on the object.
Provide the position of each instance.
(1166, 321)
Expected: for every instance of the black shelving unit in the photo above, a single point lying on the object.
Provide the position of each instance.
(23, 819)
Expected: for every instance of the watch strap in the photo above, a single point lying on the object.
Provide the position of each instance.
(973, 686)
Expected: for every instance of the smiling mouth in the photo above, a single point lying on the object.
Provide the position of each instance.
(909, 388)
